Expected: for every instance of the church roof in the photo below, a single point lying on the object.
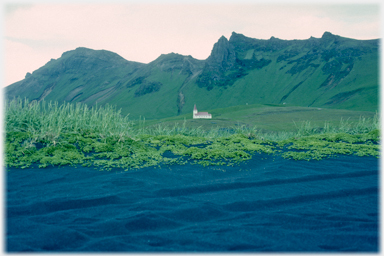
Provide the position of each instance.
(202, 113)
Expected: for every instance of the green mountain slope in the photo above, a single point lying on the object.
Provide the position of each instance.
(331, 71)
(81, 75)
(328, 72)
(154, 90)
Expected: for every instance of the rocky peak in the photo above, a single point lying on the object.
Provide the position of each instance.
(174, 61)
(89, 59)
(80, 51)
(328, 35)
(222, 54)
(235, 36)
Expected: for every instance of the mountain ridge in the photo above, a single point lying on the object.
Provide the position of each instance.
(331, 72)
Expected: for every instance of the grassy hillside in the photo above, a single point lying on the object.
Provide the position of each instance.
(330, 72)
(160, 103)
(81, 75)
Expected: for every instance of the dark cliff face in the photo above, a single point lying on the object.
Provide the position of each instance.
(222, 55)
(225, 64)
(221, 60)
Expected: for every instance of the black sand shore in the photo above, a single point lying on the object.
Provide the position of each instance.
(267, 204)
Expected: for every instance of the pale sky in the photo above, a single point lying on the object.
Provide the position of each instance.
(35, 32)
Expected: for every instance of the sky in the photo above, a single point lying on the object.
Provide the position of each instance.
(36, 32)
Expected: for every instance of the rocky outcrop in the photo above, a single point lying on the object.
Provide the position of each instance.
(223, 55)
(221, 60)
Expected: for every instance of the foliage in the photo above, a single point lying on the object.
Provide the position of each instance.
(43, 134)
(319, 146)
(147, 87)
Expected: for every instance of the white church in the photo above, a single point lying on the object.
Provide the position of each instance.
(200, 115)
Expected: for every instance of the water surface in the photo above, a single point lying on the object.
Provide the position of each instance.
(268, 204)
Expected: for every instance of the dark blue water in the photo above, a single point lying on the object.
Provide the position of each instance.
(268, 204)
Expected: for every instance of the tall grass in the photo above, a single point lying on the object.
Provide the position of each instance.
(47, 120)
(180, 128)
(364, 125)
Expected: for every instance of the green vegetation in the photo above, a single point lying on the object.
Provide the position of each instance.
(330, 72)
(46, 133)
(267, 118)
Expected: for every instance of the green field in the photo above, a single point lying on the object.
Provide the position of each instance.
(264, 118)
